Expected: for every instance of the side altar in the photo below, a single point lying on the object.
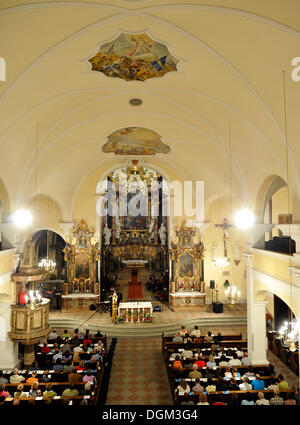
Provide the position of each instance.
(187, 286)
(81, 255)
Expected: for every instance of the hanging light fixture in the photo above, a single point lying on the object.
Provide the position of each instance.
(47, 263)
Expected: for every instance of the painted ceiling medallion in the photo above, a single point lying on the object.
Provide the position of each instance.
(134, 57)
(135, 141)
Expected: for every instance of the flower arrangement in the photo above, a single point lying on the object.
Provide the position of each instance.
(148, 318)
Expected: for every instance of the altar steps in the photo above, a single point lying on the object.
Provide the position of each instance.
(151, 330)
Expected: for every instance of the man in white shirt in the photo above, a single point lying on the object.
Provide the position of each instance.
(78, 349)
(235, 361)
(52, 335)
(245, 386)
(196, 332)
(15, 378)
(187, 352)
(261, 399)
(245, 360)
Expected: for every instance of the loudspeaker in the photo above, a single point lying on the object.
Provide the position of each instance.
(212, 284)
(218, 307)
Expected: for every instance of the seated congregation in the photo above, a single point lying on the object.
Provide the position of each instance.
(216, 370)
(67, 369)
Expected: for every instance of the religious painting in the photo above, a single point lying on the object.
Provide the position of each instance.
(186, 265)
(82, 242)
(186, 241)
(82, 266)
(136, 202)
(135, 141)
(134, 57)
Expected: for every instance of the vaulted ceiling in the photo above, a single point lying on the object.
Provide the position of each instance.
(231, 59)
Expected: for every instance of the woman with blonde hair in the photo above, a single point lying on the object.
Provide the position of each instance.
(211, 361)
(183, 387)
(34, 391)
(202, 399)
(20, 392)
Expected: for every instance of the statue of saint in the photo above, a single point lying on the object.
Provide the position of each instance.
(118, 229)
(162, 234)
(107, 235)
(150, 230)
(114, 306)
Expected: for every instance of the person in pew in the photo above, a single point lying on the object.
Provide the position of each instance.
(66, 357)
(273, 385)
(2, 391)
(33, 378)
(53, 335)
(183, 387)
(58, 366)
(236, 374)
(210, 387)
(76, 358)
(182, 331)
(81, 366)
(45, 377)
(71, 391)
(74, 377)
(276, 400)
(97, 356)
(200, 361)
(77, 348)
(289, 400)
(92, 364)
(66, 334)
(202, 400)
(57, 355)
(186, 400)
(223, 362)
(177, 338)
(2, 379)
(214, 346)
(68, 366)
(49, 391)
(218, 338)
(54, 348)
(262, 400)
(228, 373)
(177, 364)
(195, 332)
(208, 337)
(240, 354)
(34, 390)
(195, 373)
(34, 365)
(258, 383)
(66, 346)
(211, 361)
(222, 385)
(247, 400)
(235, 361)
(20, 392)
(233, 386)
(245, 360)
(45, 349)
(209, 373)
(250, 373)
(234, 400)
(89, 377)
(90, 348)
(98, 334)
(87, 340)
(245, 385)
(15, 378)
(197, 388)
(88, 389)
(283, 384)
(187, 352)
(2, 400)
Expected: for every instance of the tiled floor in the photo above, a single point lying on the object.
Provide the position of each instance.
(138, 374)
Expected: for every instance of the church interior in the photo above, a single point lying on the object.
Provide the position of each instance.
(149, 202)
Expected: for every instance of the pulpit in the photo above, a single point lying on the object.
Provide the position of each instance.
(81, 253)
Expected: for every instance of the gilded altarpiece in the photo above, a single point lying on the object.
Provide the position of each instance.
(187, 287)
(81, 255)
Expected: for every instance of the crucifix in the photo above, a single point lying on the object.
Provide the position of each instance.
(225, 226)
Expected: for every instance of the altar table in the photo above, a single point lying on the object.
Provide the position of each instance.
(135, 310)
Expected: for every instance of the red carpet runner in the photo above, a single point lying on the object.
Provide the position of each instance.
(135, 288)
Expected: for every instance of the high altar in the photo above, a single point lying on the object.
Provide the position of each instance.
(187, 287)
(81, 254)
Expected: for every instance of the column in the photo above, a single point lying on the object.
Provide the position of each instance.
(260, 344)
(8, 349)
(249, 281)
